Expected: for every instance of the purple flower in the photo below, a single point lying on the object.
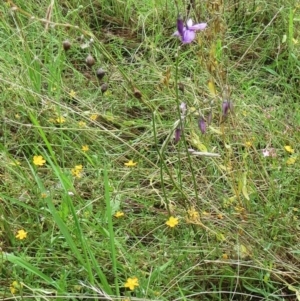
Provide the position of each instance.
(187, 33)
(202, 125)
(177, 135)
(226, 107)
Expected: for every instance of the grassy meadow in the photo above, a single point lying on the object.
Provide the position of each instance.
(136, 167)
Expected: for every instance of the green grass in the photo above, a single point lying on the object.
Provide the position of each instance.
(238, 212)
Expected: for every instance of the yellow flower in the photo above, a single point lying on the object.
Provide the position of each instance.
(85, 148)
(72, 93)
(94, 117)
(225, 256)
(289, 149)
(82, 124)
(220, 216)
(193, 214)
(21, 234)
(119, 214)
(131, 283)
(17, 116)
(60, 120)
(172, 222)
(38, 160)
(248, 143)
(12, 290)
(130, 163)
(77, 171)
(291, 160)
(43, 195)
(15, 286)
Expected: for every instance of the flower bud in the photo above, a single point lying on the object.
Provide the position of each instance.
(226, 107)
(104, 87)
(100, 73)
(90, 61)
(202, 125)
(66, 45)
(177, 135)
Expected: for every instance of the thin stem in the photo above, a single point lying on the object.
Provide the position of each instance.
(182, 128)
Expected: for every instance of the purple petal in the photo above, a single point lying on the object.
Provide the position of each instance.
(200, 26)
(188, 36)
(202, 125)
(180, 26)
(177, 135)
(225, 107)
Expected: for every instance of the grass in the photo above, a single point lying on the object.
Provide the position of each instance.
(93, 223)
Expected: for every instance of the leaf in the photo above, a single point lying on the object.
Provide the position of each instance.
(242, 251)
(243, 186)
(220, 237)
(215, 130)
(196, 142)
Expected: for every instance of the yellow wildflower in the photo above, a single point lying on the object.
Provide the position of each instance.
(21, 234)
(131, 283)
(94, 117)
(130, 163)
(85, 148)
(72, 93)
(38, 160)
(291, 160)
(119, 214)
(193, 215)
(60, 120)
(77, 171)
(225, 256)
(15, 286)
(248, 143)
(172, 222)
(289, 149)
(12, 290)
(82, 124)
(220, 216)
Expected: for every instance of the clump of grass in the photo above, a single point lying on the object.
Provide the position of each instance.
(98, 199)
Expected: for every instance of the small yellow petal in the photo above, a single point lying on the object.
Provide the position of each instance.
(289, 149)
(119, 214)
(85, 148)
(60, 120)
(130, 163)
(82, 124)
(172, 222)
(38, 160)
(94, 117)
(21, 234)
(291, 160)
(131, 283)
(72, 93)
